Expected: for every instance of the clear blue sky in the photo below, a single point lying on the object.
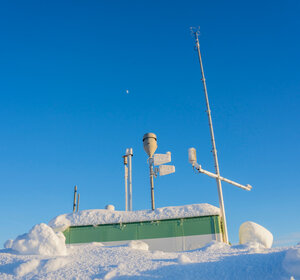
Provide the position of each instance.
(65, 117)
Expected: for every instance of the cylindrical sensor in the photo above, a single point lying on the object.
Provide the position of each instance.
(192, 156)
(150, 143)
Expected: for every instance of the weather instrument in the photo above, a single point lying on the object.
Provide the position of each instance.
(192, 151)
(150, 146)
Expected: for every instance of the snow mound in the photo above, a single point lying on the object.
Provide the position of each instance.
(104, 216)
(215, 246)
(41, 240)
(291, 262)
(26, 267)
(183, 259)
(251, 232)
(110, 207)
(8, 244)
(55, 264)
(138, 245)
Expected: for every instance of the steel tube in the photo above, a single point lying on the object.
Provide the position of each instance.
(130, 180)
(151, 183)
(214, 150)
(213, 175)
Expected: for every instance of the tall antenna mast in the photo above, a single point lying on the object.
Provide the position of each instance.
(214, 150)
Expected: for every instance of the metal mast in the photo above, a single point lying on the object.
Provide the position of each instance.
(128, 178)
(130, 154)
(214, 150)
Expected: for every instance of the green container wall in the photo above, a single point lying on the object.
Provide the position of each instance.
(143, 230)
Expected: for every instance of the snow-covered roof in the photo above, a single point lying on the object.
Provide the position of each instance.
(103, 216)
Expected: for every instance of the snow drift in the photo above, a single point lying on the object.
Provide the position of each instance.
(251, 232)
(291, 262)
(215, 261)
(40, 240)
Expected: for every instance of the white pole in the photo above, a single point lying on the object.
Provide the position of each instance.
(214, 150)
(213, 175)
(126, 193)
(130, 178)
(151, 183)
(125, 180)
(78, 197)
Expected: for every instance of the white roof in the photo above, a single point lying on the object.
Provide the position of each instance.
(103, 216)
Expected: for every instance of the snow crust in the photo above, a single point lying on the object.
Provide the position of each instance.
(251, 232)
(215, 261)
(40, 240)
(291, 262)
(104, 216)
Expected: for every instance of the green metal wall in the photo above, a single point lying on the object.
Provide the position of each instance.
(143, 230)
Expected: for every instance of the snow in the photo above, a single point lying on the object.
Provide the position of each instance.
(105, 216)
(138, 245)
(41, 240)
(183, 259)
(110, 207)
(42, 254)
(214, 261)
(26, 267)
(251, 232)
(291, 262)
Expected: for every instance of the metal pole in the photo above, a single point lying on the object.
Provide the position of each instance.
(74, 199)
(151, 182)
(125, 180)
(213, 175)
(126, 194)
(78, 196)
(214, 150)
(130, 178)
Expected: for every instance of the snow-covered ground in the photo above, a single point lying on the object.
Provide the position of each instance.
(135, 261)
(215, 261)
(42, 253)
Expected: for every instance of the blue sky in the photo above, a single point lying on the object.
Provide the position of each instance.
(66, 119)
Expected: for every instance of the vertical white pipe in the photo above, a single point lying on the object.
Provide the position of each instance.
(78, 197)
(151, 183)
(130, 178)
(126, 179)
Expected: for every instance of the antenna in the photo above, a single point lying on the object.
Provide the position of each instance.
(214, 149)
